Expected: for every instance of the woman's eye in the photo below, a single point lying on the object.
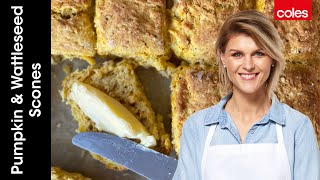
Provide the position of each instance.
(259, 54)
(236, 54)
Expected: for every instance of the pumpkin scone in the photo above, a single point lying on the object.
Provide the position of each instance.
(72, 31)
(133, 29)
(194, 28)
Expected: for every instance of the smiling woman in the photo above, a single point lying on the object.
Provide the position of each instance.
(249, 134)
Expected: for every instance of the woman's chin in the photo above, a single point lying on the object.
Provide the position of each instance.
(250, 90)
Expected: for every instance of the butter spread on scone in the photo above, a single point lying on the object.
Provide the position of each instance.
(108, 114)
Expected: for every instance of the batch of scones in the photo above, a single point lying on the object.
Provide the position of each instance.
(178, 41)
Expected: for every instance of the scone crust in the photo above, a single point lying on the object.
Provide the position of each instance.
(72, 36)
(133, 29)
(194, 28)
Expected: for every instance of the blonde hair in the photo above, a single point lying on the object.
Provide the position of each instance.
(263, 32)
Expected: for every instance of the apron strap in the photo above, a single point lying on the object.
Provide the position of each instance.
(279, 133)
(212, 128)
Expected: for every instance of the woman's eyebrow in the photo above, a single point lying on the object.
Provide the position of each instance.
(258, 50)
(241, 51)
(234, 50)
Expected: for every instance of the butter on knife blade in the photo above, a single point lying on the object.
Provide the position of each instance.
(109, 115)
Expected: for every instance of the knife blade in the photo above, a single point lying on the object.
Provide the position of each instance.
(142, 160)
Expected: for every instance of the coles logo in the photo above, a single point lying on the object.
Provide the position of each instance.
(292, 9)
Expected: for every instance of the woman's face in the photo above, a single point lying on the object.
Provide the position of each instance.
(248, 66)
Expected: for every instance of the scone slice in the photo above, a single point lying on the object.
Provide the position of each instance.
(118, 80)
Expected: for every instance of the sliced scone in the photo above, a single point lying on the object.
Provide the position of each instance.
(301, 38)
(59, 174)
(133, 29)
(193, 88)
(72, 30)
(194, 28)
(119, 81)
(299, 87)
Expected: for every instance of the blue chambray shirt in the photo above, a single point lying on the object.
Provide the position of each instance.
(299, 139)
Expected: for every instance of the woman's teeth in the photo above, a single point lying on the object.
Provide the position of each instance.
(248, 76)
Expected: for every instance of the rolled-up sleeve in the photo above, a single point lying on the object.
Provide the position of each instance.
(307, 155)
(188, 166)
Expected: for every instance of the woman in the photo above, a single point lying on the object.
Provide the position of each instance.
(249, 134)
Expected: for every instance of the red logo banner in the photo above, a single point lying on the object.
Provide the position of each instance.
(292, 9)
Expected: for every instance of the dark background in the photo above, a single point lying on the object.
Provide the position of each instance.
(36, 48)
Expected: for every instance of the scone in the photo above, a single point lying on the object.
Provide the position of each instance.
(299, 87)
(72, 30)
(192, 89)
(119, 81)
(133, 29)
(59, 174)
(300, 37)
(194, 28)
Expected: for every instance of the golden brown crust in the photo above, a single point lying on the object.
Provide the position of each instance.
(194, 28)
(299, 87)
(133, 29)
(72, 30)
(119, 81)
(59, 174)
(193, 88)
(72, 36)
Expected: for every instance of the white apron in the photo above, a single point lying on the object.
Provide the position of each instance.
(245, 161)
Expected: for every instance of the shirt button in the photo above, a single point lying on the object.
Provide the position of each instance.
(252, 131)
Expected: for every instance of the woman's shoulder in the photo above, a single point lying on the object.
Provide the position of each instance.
(295, 119)
(198, 117)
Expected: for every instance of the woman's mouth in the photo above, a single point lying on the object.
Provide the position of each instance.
(248, 76)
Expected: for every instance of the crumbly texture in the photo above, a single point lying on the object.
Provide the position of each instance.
(194, 28)
(67, 7)
(301, 38)
(193, 88)
(59, 174)
(72, 31)
(133, 29)
(118, 80)
(299, 87)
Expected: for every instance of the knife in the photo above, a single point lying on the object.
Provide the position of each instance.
(142, 160)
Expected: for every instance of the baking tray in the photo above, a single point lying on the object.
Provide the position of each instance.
(63, 127)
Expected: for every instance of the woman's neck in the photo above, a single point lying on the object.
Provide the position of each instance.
(248, 107)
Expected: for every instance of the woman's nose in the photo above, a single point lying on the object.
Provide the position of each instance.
(248, 63)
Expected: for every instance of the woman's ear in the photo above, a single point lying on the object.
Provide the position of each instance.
(222, 57)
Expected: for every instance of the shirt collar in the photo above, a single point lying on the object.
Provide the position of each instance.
(215, 113)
